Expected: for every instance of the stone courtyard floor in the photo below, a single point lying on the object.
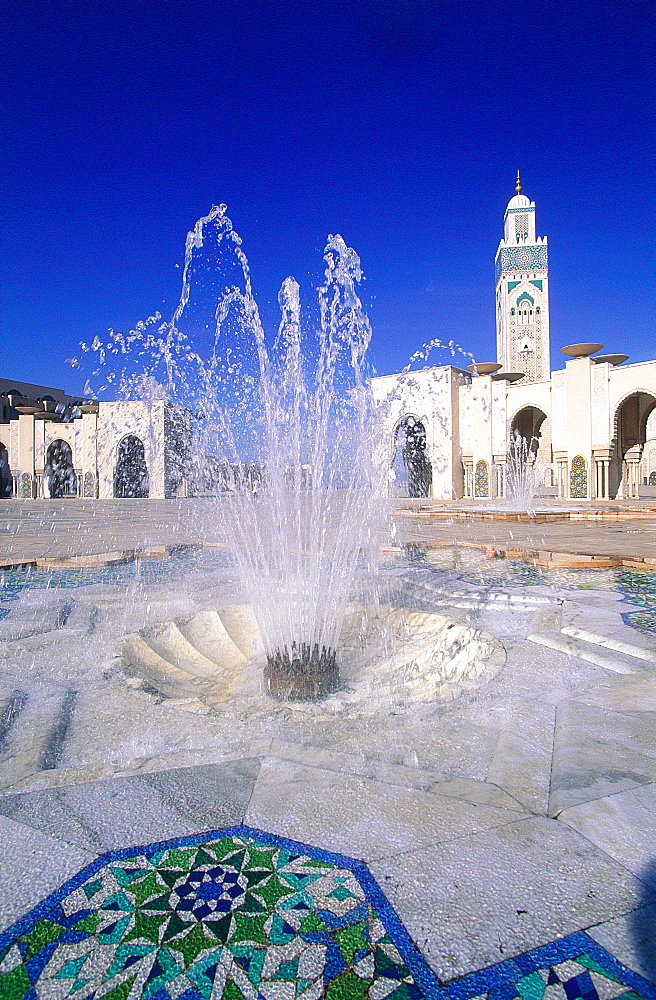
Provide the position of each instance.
(501, 844)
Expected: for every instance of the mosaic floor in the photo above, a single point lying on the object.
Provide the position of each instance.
(469, 565)
(245, 915)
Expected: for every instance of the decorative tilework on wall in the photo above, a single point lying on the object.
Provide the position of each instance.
(521, 224)
(26, 486)
(482, 479)
(90, 481)
(521, 258)
(578, 478)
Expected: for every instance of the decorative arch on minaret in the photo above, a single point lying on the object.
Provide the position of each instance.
(522, 292)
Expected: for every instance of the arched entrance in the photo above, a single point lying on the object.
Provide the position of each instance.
(528, 423)
(58, 473)
(131, 473)
(630, 434)
(413, 472)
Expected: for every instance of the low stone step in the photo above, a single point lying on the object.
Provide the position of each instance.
(619, 663)
(531, 599)
(11, 705)
(35, 731)
(23, 622)
(608, 642)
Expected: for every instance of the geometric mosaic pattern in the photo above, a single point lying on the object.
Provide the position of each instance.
(482, 479)
(578, 478)
(641, 619)
(520, 258)
(236, 914)
(244, 915)
(573, 968)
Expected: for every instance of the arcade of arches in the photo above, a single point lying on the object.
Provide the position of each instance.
(588, 433)
(127, 449)
(587, 430)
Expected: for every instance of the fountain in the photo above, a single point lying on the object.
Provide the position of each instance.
(288, 432)
(284, 439)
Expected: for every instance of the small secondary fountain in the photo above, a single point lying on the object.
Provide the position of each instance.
(520, 472)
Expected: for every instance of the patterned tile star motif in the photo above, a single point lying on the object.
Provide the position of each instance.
(245, 915)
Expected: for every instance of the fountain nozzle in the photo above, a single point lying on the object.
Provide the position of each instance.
(305, 675)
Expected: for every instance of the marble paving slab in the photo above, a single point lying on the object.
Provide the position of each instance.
(103, 815)
(598, 752)
(622, 825)
(367, 818)
(409, 775)
(622, 694)
(522, 760)
(151, 764)
(31, 866)
(483, 898)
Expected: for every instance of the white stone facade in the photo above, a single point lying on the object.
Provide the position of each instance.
(590, 428)
(125, 449)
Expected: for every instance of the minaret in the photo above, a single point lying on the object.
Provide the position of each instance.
(522, 292)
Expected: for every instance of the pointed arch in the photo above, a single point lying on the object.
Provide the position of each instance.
(413, 471)
(131, 470)
(630, 416)
(58, 471)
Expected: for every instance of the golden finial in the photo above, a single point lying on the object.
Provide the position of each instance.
(518, 185)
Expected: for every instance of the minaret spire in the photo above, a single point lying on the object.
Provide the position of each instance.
(522, 292)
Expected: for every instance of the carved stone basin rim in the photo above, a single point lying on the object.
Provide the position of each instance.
(387, 654)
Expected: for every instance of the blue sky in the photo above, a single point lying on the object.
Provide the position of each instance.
(398, 123)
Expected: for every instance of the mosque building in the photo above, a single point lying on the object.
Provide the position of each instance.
(586, 431)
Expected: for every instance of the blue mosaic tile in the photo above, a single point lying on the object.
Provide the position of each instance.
(245, 915)
(639, 588)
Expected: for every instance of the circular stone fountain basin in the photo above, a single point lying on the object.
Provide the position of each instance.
(387, 654)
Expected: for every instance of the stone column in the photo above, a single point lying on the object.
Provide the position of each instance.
(561, 475)
(600, 478)
(498, 481)
(632, 459)
(468, 462)
(599, 464)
